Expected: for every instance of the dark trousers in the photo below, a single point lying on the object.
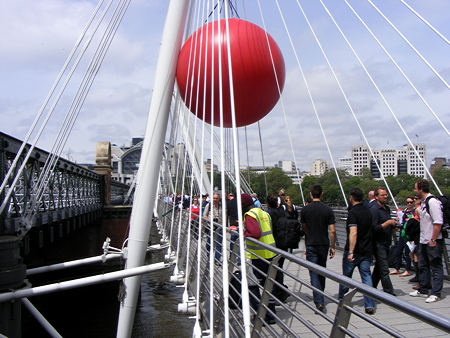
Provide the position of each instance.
(381, 269)
(260, 272)
(402, 247)
(317, 254)
(430, 267)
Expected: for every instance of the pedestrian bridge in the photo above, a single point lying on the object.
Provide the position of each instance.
(50, 194)
(208, 286)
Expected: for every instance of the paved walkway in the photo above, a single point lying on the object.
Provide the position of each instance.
(401, 323)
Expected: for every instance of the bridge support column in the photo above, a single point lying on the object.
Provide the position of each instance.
(12, 276)
(103, 167)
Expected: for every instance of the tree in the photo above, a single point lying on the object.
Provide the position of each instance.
(366, 174)
(276, 179)
(442, 177)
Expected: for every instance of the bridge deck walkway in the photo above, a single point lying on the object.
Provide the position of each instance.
(404, 324)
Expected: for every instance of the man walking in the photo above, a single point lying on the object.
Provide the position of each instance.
(358, 248)
(431, 243)
(317, 218)
(382, 226)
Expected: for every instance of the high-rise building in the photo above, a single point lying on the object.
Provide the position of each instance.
(392, 162)
(345, 163)
(290, 170)
(286, 165)
(319, 167)
(438, 162)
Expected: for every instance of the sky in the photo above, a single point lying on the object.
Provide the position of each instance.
(39, 35)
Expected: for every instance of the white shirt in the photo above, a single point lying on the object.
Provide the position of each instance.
(427, 220)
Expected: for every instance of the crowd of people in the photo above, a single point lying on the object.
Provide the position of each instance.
(369, 229)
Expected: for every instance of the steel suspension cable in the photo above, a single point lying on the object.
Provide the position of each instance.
(399, 68)
(387, 105)
(426, 22)
(79, 99)
(410, 45)
(282, 103)
(33, 144)
(310, 94)
(47, 99)
(245, 289)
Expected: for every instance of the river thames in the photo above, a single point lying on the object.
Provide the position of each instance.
(93, 311)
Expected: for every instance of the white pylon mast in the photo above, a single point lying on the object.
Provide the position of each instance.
(147, 185)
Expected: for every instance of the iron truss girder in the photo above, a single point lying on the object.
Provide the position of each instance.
(41, 197)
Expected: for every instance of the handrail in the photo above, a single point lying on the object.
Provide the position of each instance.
(294, 315)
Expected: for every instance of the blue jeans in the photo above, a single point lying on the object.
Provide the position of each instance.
(430, 266)
(233, 240)
(381, 269)
(317, 254)
(363, 264)
(217, 239)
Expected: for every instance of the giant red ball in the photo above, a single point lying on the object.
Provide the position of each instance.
(257, 66)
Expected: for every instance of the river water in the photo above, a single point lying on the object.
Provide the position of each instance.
(93, 311)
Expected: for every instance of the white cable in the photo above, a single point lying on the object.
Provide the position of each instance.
(426, 22)
(387, 105)
(410, 45)
(399, 68)
(62, 71)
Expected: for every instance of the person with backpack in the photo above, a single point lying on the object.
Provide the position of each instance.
(431, 244)
(278, 216)
(318, 221)
(290, 208)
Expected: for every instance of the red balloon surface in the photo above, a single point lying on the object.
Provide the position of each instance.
(257, 80)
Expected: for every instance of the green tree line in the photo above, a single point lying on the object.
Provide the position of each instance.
(400, 186)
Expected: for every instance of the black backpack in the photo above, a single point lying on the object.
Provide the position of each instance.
(288, 232)
(410, 229)
(445, 210)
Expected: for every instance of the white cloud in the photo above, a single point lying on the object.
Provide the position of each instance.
(40, 35)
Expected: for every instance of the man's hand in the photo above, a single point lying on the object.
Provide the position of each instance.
(350, 257)
(331, 253)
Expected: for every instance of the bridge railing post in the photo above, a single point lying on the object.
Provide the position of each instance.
(343, 315)
(266, 296)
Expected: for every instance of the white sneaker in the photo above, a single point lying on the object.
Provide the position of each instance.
(432, 299)
(418, 294)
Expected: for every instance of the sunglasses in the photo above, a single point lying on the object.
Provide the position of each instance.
(410, 202)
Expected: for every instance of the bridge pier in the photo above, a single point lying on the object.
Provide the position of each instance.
(103, 167)
(12, 277)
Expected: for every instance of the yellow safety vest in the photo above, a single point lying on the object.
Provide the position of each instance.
(264, 221)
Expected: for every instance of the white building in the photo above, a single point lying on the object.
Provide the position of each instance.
(319, 167)
(286, 165)
(392, 162)
(346, 163)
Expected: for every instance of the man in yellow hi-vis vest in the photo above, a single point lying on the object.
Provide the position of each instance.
(257, 224)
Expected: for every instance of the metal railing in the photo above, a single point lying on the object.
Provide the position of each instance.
(295, 317)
